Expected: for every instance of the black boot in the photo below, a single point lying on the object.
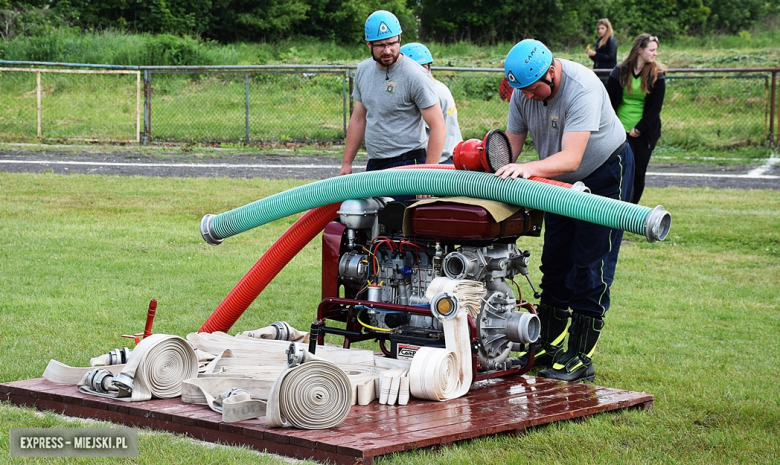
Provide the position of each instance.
(576, 364)
(549, 346)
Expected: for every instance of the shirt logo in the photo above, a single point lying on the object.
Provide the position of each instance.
(390, 87)
(554, 122)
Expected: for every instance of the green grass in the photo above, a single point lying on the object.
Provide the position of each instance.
(694, 319)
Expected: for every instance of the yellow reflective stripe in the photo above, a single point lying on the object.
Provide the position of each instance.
(559, 339)
(590, 354)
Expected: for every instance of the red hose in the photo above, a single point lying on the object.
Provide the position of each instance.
(269, 265)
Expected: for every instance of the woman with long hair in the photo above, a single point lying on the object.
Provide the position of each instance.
(604, 52)
(636, 89)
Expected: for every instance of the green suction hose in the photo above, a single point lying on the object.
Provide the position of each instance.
(654, 223)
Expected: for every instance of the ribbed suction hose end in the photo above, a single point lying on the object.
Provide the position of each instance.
(657, 224)
(207, 230)
(580, 186)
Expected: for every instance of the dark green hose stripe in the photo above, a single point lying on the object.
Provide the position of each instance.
(587, 207)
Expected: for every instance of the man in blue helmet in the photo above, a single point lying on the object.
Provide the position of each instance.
(394, 100)
(578, 136)
(420, 53)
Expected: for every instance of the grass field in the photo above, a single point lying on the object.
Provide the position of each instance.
(694, 319)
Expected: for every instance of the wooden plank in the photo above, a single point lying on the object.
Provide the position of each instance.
(496, 406)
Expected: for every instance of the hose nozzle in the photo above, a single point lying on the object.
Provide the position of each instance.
(207, 230)
(657, 224)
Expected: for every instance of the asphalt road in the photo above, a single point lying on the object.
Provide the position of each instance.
(145, 162)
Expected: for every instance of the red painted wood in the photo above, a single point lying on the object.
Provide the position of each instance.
(495, 406)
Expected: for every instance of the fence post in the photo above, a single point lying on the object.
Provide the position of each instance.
(38, 92)
(138, 107)
(344, 103)
(772, 107)
(246, 107)
(351, 103)
(147, 107)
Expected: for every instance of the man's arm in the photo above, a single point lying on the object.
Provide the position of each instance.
(356, 132)
(573, 146)
(435, 121)
(516, 141)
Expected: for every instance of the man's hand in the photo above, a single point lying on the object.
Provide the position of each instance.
(346, 168)
(514, 170)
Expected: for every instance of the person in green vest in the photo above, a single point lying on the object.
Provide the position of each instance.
(636, 89)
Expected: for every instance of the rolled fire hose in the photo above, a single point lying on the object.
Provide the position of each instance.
(654, 223)
(157, 367)
(444, 374)
(313, 395)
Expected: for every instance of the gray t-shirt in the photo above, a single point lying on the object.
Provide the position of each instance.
(581, 104)
(393, 99)
(450, 113)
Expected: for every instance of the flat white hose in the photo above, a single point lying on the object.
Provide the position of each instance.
(444, 374)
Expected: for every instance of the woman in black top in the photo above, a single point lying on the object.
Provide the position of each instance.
(604, 52)
(636, 90)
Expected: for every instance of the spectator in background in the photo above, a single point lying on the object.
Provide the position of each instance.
(604, 52)
(394, 100)
(636, 89)
(420, 53)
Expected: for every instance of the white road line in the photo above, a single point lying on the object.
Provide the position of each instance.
(754, 174)
(166, 165)
(709, 175)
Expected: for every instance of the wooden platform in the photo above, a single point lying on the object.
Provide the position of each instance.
(496, 406)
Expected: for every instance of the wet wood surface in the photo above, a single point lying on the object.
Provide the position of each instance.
(497, 406)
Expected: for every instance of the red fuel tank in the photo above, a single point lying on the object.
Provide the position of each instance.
(454, 221)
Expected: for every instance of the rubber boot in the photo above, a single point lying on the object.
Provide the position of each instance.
(549, 346)
(576, 364)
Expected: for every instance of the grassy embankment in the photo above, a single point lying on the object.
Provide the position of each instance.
(721, 118)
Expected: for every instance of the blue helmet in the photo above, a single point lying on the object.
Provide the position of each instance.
(526, 63)
(382, 25)
(418, 52)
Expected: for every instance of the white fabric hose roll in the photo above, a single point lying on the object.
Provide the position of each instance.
(314, 395)
(158, 366)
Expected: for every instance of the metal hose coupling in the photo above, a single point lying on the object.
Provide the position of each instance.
(657, 224)
(580, 186)
(207, 230)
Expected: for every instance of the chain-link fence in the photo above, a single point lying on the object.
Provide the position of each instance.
(703, 108)
(59, 104)
(246, 106)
